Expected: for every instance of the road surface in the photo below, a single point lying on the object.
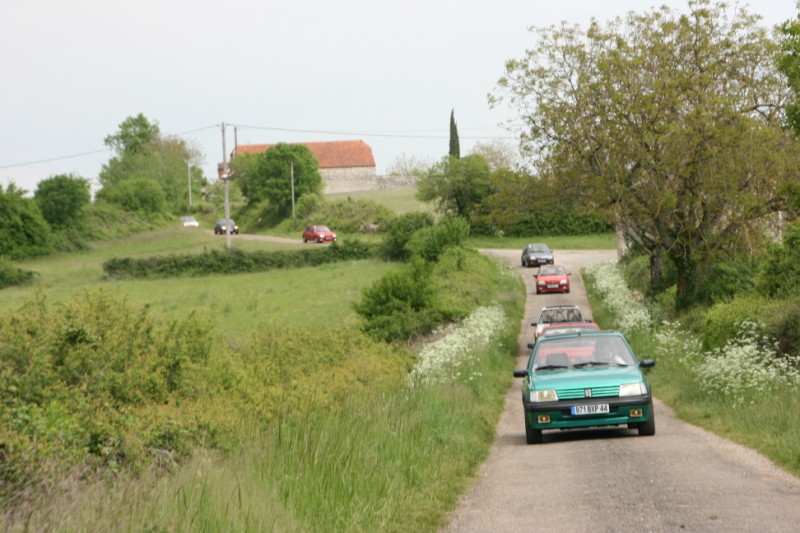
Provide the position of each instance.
(681, 479)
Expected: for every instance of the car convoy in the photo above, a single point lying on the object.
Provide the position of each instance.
(577, 375)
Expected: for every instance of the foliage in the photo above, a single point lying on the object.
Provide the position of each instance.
(499, 154)
(71, 376)
(61, 200)
(780, 273)
(235, 261)
(430, 242)
(609, 283)
(669, 124)
(133, 135)
(401, 304)
(406, 165)
(274, 172)
(399, 232)
(137, 195)
(143, 154)
(456, 186)
(25, 233)
(11, 275)
(110, 221)
(351, 216)
(789, 65)
(452, 357)
(455, 149)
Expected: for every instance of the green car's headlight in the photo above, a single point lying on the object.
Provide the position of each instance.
(546, 395)
(632, 389)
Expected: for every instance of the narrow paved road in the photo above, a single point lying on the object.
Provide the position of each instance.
(681, 479)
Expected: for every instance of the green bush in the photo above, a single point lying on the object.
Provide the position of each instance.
(235, 261)
(399, 231)
(11, 275)
(401, 304)
(780, 273)
(430, 242)
(779, 318)
(351, 216)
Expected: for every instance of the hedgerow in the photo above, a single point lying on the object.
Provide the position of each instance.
(233, 262)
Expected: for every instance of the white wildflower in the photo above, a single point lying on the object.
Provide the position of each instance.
(610, 284)
(465, 342)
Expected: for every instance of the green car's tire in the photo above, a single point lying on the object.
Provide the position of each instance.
(648, 429)
(532, 435)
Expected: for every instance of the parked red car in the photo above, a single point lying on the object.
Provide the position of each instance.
(552, 278)
(317, 233)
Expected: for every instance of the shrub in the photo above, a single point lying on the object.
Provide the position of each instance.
(400, 305)
(399, 231)
(351, 216)
(780, 273)
(430, 242)
(11, 275)
(235, 261)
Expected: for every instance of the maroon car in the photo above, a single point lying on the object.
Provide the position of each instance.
(316, 233)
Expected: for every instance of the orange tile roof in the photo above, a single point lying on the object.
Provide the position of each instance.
(331, 154)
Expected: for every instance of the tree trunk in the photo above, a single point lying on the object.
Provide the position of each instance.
(686, 270)
(656, 269)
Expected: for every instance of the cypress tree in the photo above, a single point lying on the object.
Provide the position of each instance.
(455, 150)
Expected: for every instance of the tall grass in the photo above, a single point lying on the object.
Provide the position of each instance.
(334, 439)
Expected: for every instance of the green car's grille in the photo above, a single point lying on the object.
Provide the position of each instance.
(597, 392)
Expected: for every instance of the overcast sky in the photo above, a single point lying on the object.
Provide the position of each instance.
(384, 71)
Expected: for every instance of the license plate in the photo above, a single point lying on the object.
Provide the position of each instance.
(589, 409)
(552, 286)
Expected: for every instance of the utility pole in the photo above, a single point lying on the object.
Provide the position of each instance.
(189, 175)
(291, 170)
(225, 175)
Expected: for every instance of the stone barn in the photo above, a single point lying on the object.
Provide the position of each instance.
(345, 166)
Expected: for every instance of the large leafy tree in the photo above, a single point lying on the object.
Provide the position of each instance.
(456, 186)
(61, 200)
(134, 134)
(270, 179)
(142, 153)
(669, 124)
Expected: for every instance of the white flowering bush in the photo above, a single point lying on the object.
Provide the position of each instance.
(673, 342)
(453, 357)
(747, 366)
(610, 284)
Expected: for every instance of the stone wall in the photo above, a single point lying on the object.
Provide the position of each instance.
(343, 180)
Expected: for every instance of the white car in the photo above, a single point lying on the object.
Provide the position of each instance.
(189, 222)
(557, 314)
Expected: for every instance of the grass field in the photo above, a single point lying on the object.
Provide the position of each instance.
(400, 199)
(236, 303)
(379, 458)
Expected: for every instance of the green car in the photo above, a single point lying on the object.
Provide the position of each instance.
(584, 380)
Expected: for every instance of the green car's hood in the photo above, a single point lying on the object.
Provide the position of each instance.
(585, 377)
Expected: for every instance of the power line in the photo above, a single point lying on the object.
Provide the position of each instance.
(365, 133)
(60, 158)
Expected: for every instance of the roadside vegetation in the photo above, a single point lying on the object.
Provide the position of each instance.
(151, 381)
(743, 384)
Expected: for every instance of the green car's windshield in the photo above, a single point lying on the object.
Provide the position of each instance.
(584, 351)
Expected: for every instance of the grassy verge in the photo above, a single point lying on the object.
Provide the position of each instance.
(766, 419)
(315, 429)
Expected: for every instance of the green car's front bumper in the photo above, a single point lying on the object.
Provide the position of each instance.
(558, 414)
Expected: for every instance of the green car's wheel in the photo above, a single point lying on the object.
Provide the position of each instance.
(648, 429)
(532, 435)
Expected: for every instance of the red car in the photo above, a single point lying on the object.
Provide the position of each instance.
(552, 278)
(317, 233)
(565, 328)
